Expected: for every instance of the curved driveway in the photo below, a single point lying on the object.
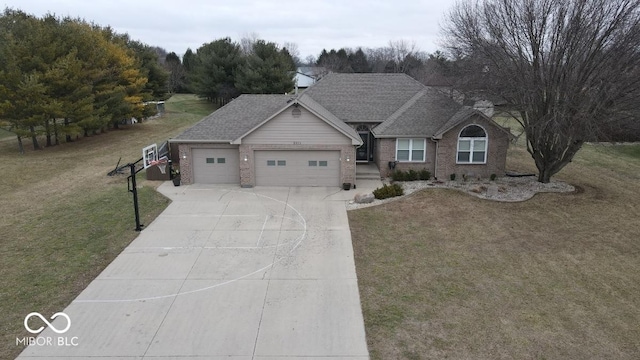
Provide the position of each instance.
(263, 273)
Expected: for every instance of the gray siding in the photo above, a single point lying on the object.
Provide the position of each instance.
(304, 129)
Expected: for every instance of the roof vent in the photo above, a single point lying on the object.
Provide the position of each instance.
(296, 112)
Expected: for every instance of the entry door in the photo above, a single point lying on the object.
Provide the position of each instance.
(362, 153)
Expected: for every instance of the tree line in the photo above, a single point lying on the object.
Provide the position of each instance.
(398, 56)
(223, 69)
(62, 78)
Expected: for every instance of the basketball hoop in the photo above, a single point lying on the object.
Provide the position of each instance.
(161, 164)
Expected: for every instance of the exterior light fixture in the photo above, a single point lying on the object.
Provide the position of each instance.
(348, 158)
(246, 158)
(184, 155)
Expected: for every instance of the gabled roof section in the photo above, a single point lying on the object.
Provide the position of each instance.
(318, 111)
(462, 115)
(235, 119)
(364, 97)
(423, 115)
(331, 119)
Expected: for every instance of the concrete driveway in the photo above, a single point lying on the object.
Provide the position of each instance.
(263, 273)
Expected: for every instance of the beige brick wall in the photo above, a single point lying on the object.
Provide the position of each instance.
(386, 151)
(247, 168)
(496, 152)
(185, 149)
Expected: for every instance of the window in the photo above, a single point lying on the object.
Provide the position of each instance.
(410, 149)
(222, 160)
(271, 163)
(472, 145)
(313, 163)
(282, 163)
(211, 160)
(323, 163)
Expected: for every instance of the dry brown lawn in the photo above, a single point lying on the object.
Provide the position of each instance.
(444, 275)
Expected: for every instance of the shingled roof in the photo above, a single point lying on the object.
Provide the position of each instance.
(236, 118)
(363, 97)
(427, 112)
(402, 106)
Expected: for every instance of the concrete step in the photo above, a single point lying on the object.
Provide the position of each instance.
(368, 177)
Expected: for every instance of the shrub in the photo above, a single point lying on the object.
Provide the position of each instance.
(424, 174)
(412, 175)
(492, 177)
(388, 191)
(452, 177)
(399, 175)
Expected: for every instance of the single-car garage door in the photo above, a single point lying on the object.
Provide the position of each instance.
(216, 166)
(297, 168)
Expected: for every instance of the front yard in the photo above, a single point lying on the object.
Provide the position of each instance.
(446, 275)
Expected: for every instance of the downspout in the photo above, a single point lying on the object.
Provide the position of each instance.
(435, 162)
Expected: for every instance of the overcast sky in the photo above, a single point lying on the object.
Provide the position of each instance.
(313, 25)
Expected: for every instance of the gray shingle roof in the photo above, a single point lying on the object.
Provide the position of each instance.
(363, 97)
(403, 106)
(236, 118)
(427, 112)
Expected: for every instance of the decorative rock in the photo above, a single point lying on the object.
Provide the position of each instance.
(364, 198)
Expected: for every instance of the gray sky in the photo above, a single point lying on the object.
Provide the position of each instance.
(312, 25)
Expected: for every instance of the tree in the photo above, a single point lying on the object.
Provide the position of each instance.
(212, 76)
(568, 67)
(177, 74)
(294, 51)
(336, 61)
(358, 61)
(267, 70)
(151, 68)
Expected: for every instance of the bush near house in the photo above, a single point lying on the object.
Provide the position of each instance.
(411, 175)
(388, 191)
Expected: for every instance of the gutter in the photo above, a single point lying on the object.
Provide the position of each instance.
(181, 141)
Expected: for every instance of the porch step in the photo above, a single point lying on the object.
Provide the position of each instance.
(367, 172)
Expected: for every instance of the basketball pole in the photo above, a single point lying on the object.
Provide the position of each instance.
(134, 189)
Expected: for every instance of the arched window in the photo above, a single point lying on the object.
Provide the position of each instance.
(472, 145)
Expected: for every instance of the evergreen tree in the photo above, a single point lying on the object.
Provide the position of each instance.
(212, 75)
(267, 70)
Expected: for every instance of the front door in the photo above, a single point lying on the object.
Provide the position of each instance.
(363, 152)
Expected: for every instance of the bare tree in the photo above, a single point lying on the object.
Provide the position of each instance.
(568, 67)
(247, 42)
(294, 51)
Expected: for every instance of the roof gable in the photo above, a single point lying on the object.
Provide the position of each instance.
(316, 109)
(422, 115)
(235, 118)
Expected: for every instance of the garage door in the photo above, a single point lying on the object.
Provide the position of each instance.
(297, 168)
(216, 166)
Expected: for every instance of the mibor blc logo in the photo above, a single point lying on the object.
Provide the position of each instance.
(38, 330)
(47, 340)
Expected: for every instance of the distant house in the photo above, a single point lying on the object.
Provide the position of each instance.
(308, 75)
(318, 137)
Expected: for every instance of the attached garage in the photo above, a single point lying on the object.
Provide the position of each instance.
(297, 168)
(216, 166)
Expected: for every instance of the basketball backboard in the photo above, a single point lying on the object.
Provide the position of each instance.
(149, 155)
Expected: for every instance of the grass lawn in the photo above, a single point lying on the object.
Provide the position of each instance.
(63, 220)
(5, 134)
(447, 275)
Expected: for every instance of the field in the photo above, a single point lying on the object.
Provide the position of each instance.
(446, 275)
(63, 220)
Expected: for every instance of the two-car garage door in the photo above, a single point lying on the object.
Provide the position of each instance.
(297, 168)
(272, 168)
